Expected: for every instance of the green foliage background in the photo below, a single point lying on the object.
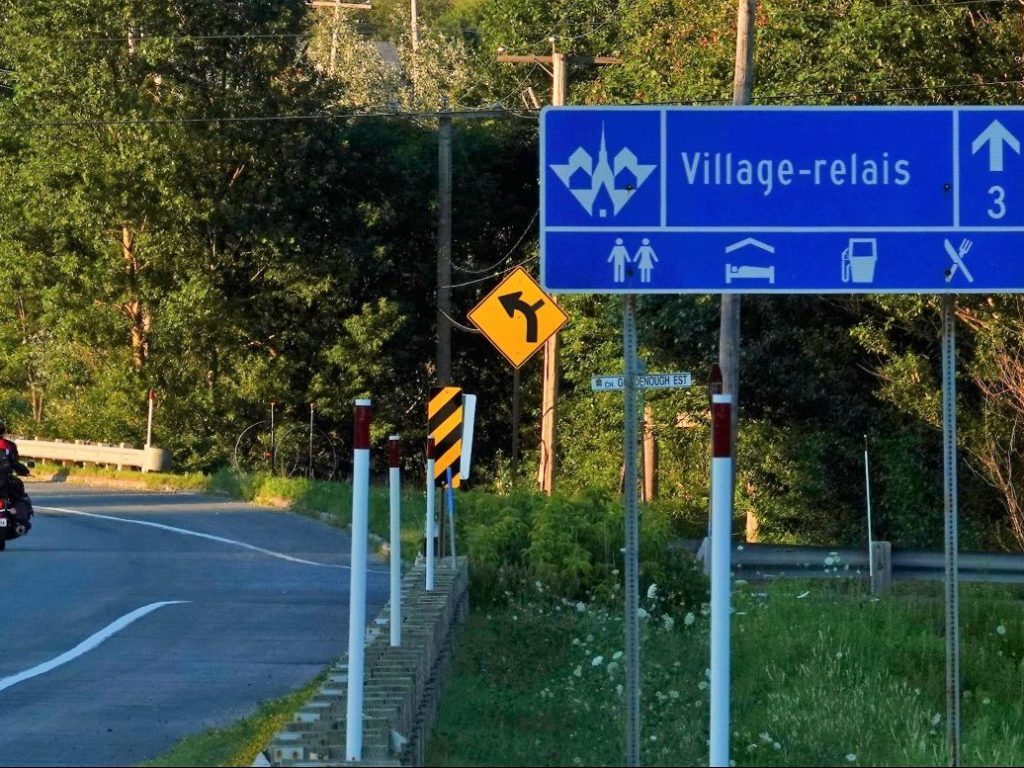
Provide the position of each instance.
(199, 197)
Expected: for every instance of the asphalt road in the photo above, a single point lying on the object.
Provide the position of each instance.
(101, 665)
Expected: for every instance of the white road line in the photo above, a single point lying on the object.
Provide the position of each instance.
(86, 645)
(210, 537)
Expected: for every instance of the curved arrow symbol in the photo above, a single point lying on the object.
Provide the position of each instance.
(514, 301)
(995, 136)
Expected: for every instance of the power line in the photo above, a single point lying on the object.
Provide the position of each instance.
(613, 15)
(522, 237)
(459, 325)
(100, 122)
(142, 37)
(493, 276)
(901, 89)
(489, 111)
(854, 92)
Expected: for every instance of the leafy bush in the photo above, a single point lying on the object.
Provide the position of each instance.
(572, 547)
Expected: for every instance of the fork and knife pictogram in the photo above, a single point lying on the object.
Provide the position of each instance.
(958, 261)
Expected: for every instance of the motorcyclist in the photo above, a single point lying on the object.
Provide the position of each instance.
(15, 487)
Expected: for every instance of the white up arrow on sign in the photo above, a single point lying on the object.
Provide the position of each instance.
(995, 135)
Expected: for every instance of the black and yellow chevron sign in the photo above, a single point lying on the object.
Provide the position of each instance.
(444, 424)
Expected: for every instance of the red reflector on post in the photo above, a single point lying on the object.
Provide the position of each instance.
(394, 453)
(362, 432)
(721, 426)
(430, 447)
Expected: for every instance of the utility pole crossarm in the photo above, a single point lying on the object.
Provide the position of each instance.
(600, 60)
(511, 59)
(507, 59)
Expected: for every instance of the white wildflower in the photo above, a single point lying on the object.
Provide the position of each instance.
(703, 685)
(641, 614)
(851, 758)
(581, 607)
(617, 655)
(668, 622)
(1001, 630)
(689, 618)
(652, 591)
(578, 672)
(597, 661)
(936, 719)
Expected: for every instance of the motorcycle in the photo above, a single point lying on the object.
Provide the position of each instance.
(15, 515)
(12, 524)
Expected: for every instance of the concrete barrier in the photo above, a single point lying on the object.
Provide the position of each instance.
(147, 459)
(402, 686)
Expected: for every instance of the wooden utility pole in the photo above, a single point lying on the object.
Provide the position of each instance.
(444, 233)
(729, 330)
(650, 460)
(414, 26)
(444, 250)
(559, 71)
(552, 347)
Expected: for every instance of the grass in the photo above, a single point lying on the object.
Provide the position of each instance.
(822, 674)
(238, 744)
(154, 481)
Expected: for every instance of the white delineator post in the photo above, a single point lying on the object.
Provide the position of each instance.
(430, 514)
(721, 532)
(149, 421)
(867, 496)
(395, 482)
(357, 593)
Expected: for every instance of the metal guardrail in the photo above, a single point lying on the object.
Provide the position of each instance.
(772, 561)
(78, 452)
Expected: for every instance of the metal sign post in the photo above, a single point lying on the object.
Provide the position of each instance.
(951, 534)
(632, 566)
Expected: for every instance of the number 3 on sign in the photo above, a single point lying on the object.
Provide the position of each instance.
(998, 201)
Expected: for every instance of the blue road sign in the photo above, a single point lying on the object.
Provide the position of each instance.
(782, 199)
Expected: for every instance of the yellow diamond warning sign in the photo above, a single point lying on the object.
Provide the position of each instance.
(517, 317)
